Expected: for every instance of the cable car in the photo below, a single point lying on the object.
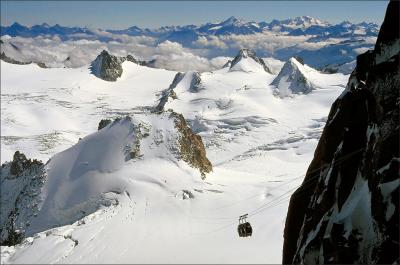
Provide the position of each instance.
(244, 227)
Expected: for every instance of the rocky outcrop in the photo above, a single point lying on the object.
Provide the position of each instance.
(20, 164)
(292, 79)
(107, 66)
(132, 59)
(169, 92)
(192, 149)
(347, 208)
(7, 59)
(247, 53)
(103, 123)
(189, 81)
(227, 64)
(195, 83)
(21, 180)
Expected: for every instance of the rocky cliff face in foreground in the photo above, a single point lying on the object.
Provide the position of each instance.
(347, 208)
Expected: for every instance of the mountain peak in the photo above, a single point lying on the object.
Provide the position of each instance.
(241, 61)
(292, 79)
(107, 67)
(16, 25)
(230, 20)
(308, 21)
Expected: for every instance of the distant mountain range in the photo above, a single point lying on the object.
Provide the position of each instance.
(303, 25)
(320, 44)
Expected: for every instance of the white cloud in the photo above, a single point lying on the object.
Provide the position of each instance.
(206, 53)
(211, 42)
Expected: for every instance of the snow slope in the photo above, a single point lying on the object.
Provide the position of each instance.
(44, 111)
(158, 209)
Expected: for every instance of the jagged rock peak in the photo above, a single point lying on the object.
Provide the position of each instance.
(195, 83)
(388, 41)
(248, 53)
(189, 81)
(292, 79)
(132, 59)
(169, 92)
(21, 181)
(21, 164)
(347, 209)
(107, 67)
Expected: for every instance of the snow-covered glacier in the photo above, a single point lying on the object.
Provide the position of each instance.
(165, 179)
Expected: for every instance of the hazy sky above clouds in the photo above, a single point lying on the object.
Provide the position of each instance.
(151, 14)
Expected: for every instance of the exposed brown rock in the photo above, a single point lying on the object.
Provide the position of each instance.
(191, 146)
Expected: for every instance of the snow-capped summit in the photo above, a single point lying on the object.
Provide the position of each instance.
(307, 21)
(293, 79)
(231, 25)
(302, 22)
(247, 61)
(231, 21)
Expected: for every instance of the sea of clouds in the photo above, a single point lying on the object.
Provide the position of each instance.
(207, 53)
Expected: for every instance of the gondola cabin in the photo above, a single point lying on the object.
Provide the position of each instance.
(244, 227)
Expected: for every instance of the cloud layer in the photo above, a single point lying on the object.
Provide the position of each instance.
(206, 53)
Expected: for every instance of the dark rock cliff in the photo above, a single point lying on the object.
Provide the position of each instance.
(21, 181)
(347, 208)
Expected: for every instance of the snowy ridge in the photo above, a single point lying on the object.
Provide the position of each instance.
(88, 175)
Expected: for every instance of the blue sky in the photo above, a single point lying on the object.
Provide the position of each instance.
(123, 14)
